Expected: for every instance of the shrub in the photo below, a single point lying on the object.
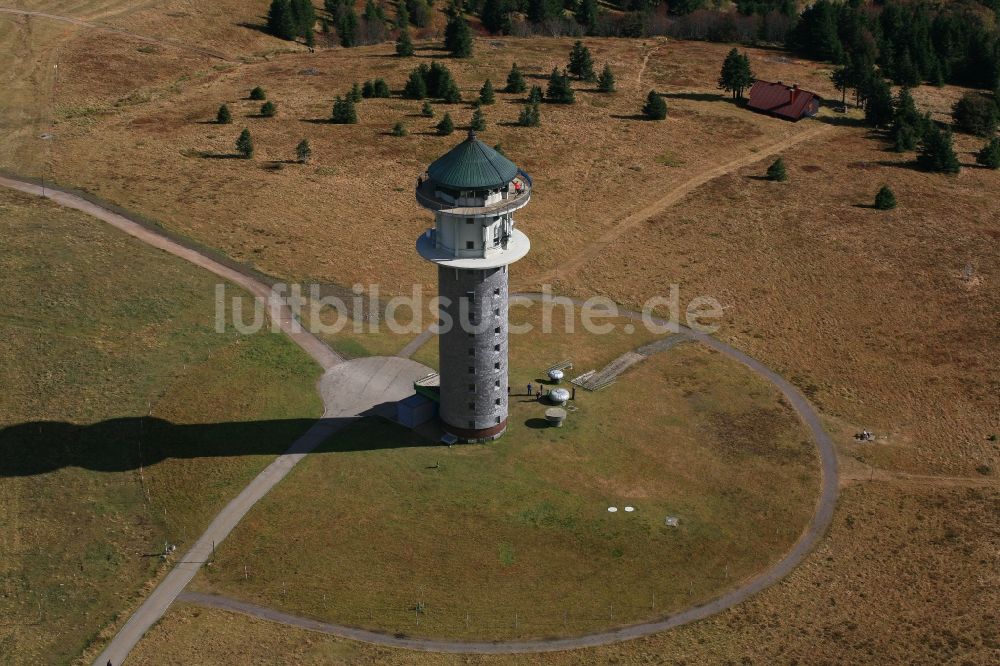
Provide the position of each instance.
(344, 112)
(976, 114)
(535, 95)
(224, 117)
(244, 144)
(268, 109)
(989, 156)
(446, 126)
(427, 111)
(885, 199)
(303, 151)
(258, 94)
(355, 94)
(368, 89)
(515, 80)
(399, 129)
(381, 88)
(777, 171)
(654, 108)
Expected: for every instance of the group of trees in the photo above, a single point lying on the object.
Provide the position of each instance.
(434, 81)
(245, 147)
(290, 19)
(736, 75)
(224, 116)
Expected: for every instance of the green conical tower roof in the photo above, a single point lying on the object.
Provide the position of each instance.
(472, 165)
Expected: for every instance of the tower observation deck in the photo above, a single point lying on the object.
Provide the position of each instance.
(473, 192)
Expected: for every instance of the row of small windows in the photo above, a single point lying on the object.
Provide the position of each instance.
(472, 405)
(472, 350)
(496, 385)
(472, 424)
(472, 369)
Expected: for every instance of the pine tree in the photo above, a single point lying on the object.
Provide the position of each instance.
(368, 89)
(404, 45)
(486, 95)
(495, 15)
(878, 103)
(478, 123)
(303, 16)
(907, 123)
(937, 153)
(458, 37)
(381, 88)
(606, 81)
(279, 20)
(586, 15)
(416, 87)
(559, 90)
(344, 112)
(347, 27)
(268, 109)
(402, 16)
(535, 95)
(244, 144)
(373, 13)
(258, 94)
(885, 199)
(451, 93)
(840, 78)
(399, 129)
(446, 126)
(777, 171)
(989, 156)
(355, 94)
(427, 111)
(581, 64)
(654, 108)
(736, 75)
(515, 80)
(530, 115)
(224, 117)
(303, 151)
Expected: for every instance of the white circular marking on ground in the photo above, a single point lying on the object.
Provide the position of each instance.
(630, 509)
(612, 509)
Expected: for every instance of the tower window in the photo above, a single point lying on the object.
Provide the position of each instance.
(472, 351)
(497, 383)
(496, 312)
(497, 401)
(469, 220)
(470, 245)
(497, 330)
(472, 405)
(498, 420)
(496, 347)
(495, 365)
(496, 292)
(472, 370)
(472, 387)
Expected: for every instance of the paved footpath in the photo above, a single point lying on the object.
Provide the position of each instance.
(365, 386)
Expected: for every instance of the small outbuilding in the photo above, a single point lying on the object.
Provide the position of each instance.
(783, 101)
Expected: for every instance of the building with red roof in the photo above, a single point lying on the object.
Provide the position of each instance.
(778, 99)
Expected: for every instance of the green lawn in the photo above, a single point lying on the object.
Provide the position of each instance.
(513, 539)
(125, 421)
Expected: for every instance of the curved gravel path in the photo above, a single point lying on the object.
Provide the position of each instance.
(354, 379)
(814, 531)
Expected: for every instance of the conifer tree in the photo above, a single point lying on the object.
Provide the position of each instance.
(404, 45)
(381, 88)
(268, 109)
(446, 126)
(279, 20)
(486, 95)
(427, 111)
(224, 116)
(937, 153)
(885, 199)
(581, 64)
(530, 115)
(399, 129)
(495, 15)
(402, 16)
(989, 156)
(368, 89)
(736, 75)
(416, 87)
(515, 80)
(606, 81)
(559, 90)
(344, 112)
(244, 144)
(976, 114)
(355, 93)
(303, 16)
(451, 94)
(458, 37)
(654, 108)
(586, 15)
(303, 151)
(878, 103)
(347, 27)
(907, 124)
(478, 121)
(258, 94)
(535, 95)
(777, 171)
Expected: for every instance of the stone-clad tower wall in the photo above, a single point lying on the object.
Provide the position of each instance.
(473, 351)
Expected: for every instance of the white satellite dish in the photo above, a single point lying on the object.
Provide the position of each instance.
(612, 509)
(630, 509)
